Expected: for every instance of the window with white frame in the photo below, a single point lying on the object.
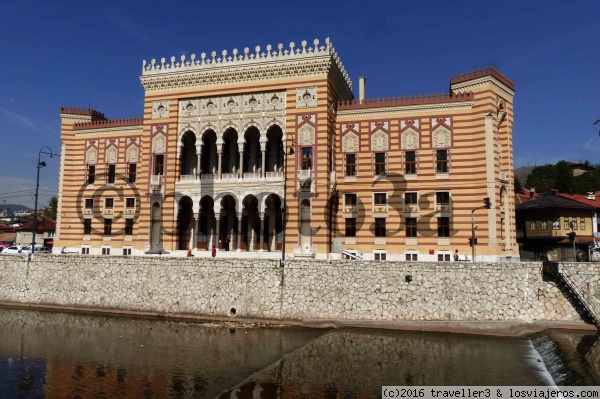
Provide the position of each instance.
(380, 255)
(410, 162)
(350, 165)
(556, 223)
(582, 223)
(566, 225)
(380, 167)
(126, 251)
(532, 225)
(443, 257)
(544, 225)
(574, 223)
(105, 250)
(350, 199)
(380, 199)
(85, 250)
(411, 256)
(442, 161)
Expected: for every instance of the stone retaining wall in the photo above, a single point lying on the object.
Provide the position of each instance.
(306, 289)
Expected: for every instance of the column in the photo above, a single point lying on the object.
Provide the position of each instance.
(219, 165)
(197, 230)
(250, 234)
(273, 242)
(198, 163)
(264, 162)
(239, 233)
(217, 227)
(261, 230)
(193, 231)
(241, 151)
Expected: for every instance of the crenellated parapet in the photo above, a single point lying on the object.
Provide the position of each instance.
(480, 73)
(406, 100)
(267, 63)
(95, 115)
(109, 123)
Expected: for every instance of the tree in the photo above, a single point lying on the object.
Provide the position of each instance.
(518, 186)
(52, 208)
(563, 178)
(541, 178)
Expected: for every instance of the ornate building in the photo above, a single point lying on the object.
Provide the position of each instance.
(225, 138)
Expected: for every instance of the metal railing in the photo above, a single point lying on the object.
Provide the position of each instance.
(351, 255)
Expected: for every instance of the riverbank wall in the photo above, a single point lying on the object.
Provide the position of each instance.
(303, 290)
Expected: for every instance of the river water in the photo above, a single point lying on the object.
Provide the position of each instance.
(56, 355)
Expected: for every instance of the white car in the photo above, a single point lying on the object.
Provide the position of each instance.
(43, 250)
(15, 250)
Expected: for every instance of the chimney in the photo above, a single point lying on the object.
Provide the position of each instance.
(532, 193)
(361, 88)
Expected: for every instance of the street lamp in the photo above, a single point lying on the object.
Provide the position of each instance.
(283, 205)
(37, 187)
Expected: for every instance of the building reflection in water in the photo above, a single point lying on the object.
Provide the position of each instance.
(47, 355)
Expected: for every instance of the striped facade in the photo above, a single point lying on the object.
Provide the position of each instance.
(224, 139)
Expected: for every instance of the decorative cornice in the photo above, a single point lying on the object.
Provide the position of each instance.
(267, 72)
(470, 85)
(106, 123)
(367, 112)
(407, 100)
(119, 130)
(489, 71)
(236, 60)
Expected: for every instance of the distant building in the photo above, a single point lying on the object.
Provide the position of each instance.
(579, 168)
(46, 231)
(206, 165)
(544, 224)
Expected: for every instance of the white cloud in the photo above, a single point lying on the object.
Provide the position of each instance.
(18, 117)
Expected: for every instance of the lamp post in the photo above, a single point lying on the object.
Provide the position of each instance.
(283, 205)
(37, 187)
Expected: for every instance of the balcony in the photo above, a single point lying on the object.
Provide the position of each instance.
(274, 175)
(380, 210)
(156, 182)
(410, 208)
(188, 178)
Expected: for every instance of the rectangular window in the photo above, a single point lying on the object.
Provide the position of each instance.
(306, 158)
(544, 225)
(350, 199)
(350, 164)
(380, 256)
(350, 227)
(380, 163)
(109, 203)
(411, 227)
(112, 170)
(91, 176)
(89, 203)
(443, 257)
(379, 227)
(410, 165)
(441, 162)
(85, 250)
(567, 224)
(128, 227)
(380, 199)
(556, 223)
(131, 173)
(126, 251)
(532, 225)
(159, 165)
(574, 223)
(105, 251)
(107, 227)
(130, 202)
(582, 223)
(87, 226)
(442, 198)
(443, 227)
(410, 198)
(410, 257)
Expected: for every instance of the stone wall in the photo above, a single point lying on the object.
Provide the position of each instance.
(306, 289)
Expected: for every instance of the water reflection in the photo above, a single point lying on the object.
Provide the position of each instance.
(46, 355)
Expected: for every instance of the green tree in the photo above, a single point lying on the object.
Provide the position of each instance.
(563, 178)
(518, 186)
(52, 208)
(541, 178)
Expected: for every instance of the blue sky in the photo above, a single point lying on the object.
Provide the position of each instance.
(89, 54)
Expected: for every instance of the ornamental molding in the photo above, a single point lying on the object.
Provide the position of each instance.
(481, 82)
(160, 109)
(350, 142)
(91, 156)
(75, 118)
(409, 139)
(272, 58)
(379, 141)
(132, 153)
(124, 130)
(375, 112)
(306, 97)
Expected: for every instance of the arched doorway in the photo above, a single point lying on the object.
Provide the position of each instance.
(227, 232)
(252, 153)
(209, 153)
(185, 223)
(273, 222)
(231, 157)
(305, 229)
(189, 158)
(206, 223)
(250, 224)
(274, 161)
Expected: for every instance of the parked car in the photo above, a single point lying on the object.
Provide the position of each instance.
(15, 250)
(43, 250)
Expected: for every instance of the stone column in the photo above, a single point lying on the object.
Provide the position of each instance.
(193, 231)
(217, 227)
(241, 151)
(239, 233)
(273, 243)
(250, 235)
(261, 230)
(264, 162)
(197, 230)
(198, 163)
(219, 165)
